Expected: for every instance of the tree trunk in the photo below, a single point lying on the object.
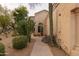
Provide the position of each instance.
(51, 20)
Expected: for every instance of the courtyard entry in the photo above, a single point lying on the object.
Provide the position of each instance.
(75, 28)
(40, 29)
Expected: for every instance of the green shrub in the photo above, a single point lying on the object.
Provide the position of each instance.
(19, 42)
(21, 27)
(2, 49)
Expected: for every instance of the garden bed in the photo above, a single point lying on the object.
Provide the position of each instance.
(24, 52)
(10, 51)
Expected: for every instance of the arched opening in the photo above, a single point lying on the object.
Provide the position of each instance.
(40, 28)
(75, 27)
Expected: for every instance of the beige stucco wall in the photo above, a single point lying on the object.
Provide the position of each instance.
(40, 17)
(63, 26)
(47, 26)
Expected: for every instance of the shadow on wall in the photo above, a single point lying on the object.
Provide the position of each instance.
(55, 43)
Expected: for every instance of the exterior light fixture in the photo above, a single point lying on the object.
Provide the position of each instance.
(59, 14)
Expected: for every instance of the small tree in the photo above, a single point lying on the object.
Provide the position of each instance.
(20, 13)
(4, 18)
(4, 22)
(21, 27)
(24, 25)
(30, 27)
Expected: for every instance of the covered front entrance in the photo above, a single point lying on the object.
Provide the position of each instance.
(40, 29)
(75, 31)
(75, 27)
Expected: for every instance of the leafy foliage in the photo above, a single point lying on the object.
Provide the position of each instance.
(2, 49)
(25, 28)
(30, 25)
(19, 42)
(30, 28)
(22, 27)
(4, 21)
(5, 18)
(24, 24)
(20, 13)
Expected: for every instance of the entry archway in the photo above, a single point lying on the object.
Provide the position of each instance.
(75, 27)
(40, 28)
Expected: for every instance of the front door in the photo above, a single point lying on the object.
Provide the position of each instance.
(40, 30)
(77, 26)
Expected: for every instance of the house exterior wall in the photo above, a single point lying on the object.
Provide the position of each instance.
(47, 26)
(40, 17)
(63, 26)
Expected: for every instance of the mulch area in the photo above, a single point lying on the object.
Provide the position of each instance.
(24, 52)
(10, 51)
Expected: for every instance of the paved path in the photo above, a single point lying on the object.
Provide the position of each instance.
(40, 48)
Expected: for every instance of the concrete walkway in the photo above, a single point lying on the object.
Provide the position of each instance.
(40, 48)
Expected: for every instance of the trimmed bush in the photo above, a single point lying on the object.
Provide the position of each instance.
(2, 49)
(21, 27)
(19, 42)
